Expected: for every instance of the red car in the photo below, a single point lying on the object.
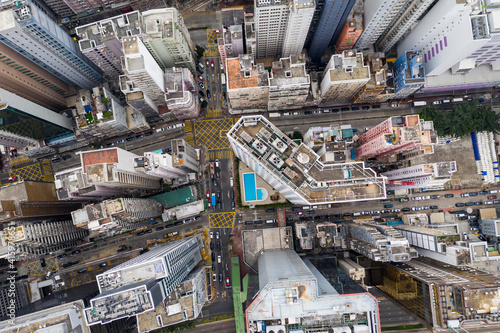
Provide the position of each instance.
(212, 66)
(208, 194)
(227, 281)
(492, 197)
(10, 179)
(200, 77)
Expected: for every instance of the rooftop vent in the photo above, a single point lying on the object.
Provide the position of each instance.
(303, 158)
(288, 74)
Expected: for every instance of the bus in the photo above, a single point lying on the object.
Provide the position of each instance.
(419, 103)
(214, 201)
(274, 114)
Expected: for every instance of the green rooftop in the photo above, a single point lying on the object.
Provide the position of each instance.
(178, 197)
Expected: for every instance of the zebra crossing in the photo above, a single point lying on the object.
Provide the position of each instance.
(222, 154)
(215, 113)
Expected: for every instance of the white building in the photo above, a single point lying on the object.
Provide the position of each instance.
(431, 176)
(299, 20)
(296, 171)
(378, 16)
(167, 38)
(344, 76)
(231, 43)
(142, 283)
(159, 165)
(490, 227)
(140, 67)
(180, 96)
(138, 99)
(402, 23)
(456, 35)
(292, 292)
(101, 41)
(271, 22)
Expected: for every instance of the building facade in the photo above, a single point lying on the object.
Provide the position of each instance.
(167, 38)
(331, 21)
(344, 76)
(101, 41)
(396, 135)
(181, 98)
(32, 33)
(378, 79)
(143, 282)
(431, 176)
(409, 74)
(271, 21)
(138, 99)
(231, 43)
(299, 20)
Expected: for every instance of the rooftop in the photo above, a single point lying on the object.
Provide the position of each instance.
(348, 66)
(289, 71)
(302, 169)
(99, 156)
(160, 23)
(243, 73)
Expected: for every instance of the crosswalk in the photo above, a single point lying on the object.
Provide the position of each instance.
(215, 113)
(222, 154)
(19, 160)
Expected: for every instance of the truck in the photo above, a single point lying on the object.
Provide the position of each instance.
(459, 99)
(223, 78)
(214, 200)
(419, 103)
(274, 114)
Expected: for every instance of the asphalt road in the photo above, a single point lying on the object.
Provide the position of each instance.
(226, 326)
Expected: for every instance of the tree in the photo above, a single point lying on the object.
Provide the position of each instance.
(463, 119)
(204, 104)
(199, 51)
(297, 135)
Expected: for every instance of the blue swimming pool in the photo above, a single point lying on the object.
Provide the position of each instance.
(252, 193)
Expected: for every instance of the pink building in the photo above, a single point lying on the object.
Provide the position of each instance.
(396, 135)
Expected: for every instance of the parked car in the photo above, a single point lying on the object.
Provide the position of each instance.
(10, 179)
(219, 259)
(227, 281)
(76, 252)
(449, 195)
(103, 264)
(132, 138)
(61, 256)
(120, 141)
(491, 197)
(200, 77)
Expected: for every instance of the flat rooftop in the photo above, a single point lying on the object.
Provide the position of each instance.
(302, 169)
(289, 71)
(242, 73)
(348, 66)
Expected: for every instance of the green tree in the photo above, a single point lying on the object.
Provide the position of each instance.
(297, 135)
(204, 105)
(199, 52)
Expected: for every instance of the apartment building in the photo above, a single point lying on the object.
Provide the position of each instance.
(101, 41)
(297, 172)
(397, 135)
(378, 79)
(349, 35)
(409, 74)
(299, 20)
(429, 176)
(231, 43)
(181, 93)
(32, 33)
(344, 76)
(167, 38)
(138, 99)
(271, 22)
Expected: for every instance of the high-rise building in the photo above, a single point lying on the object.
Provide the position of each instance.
(250, 35)
(60, 8)
(349, 35)
(409, 74)
(167, 38)
(403, 22)
(114, 167)
(247, 85)
(378, 16)
(231, 43)
(140, 67)
(181, 96)
(289, 84)
(429, 176)
(143, 282)
(98, 115)
(397, 135)
(293, 292)
(299, 20)
(184, 156)
(32, 33)
(116, 215)
(297, 172)
(160, 165)
(42, 237)
(25, 123)
(138, 100)
(271, 21)
(344, 76)
(28, 80)
(101, 41)
(331, 21)
(472, 42)
(378, 79)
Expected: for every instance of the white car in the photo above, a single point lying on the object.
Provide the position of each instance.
(427, 197)
(211, 234)
(219, 259)
(217, 235)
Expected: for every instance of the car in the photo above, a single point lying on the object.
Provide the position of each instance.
(232, 205)
(481, 238)
(375, 211)
(211, 234)
(227, 281)
(434, 196)
(488, 202)
(224, 95)
(217, 235)
(299, 213)
(317, 217)
(397, 210)
(215, 277)
(132, 138)
(459, 204)
(10, 179)
(211, 245)
(482, 192)
(187, 220)
(207, 62)
(196, 218)
(76, 252)
(436, 102)
(169, 225)
(258, 222)
(248, 222)
(159, 228)
(311, 212)
(464, 195)
(61, 256)
(66, 265)
(202, 86)
(462, 218)
(449, 195)
(179, 223)
(289, 219)
(218, 246)
(478, 203)
(212, 66)
(110, 144)
(65, 157)
(496, 202)
(470, 203)
(491, 197)
(270, 210)
(213, 256)
(493, 191)
(385, 211)
(416, 198)
(473, 194)
(208, 194)
(219, 259)
(148, 133)
(103, 264)
(375, 106)
(208, 93)
(425, 207)
(140, 233)
(42, 263)
(434, 207)
(139, 136)
(406, 209)
(220, 277)
(120, 141)
(74, 262)
(427, 197)
(201, 93)
(200, 77)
